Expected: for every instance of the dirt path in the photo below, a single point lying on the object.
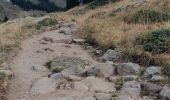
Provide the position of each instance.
(36, 53)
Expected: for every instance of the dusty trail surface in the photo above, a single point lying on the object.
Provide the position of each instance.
(35, 52)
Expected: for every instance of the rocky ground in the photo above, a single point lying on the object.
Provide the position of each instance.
(55, 66)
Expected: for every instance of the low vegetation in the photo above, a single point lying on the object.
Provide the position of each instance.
(139, 30)
(147, 16)
(46, 22)
(156, 41)
(57, 70)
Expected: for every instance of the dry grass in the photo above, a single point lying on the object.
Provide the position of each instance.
(108, 28)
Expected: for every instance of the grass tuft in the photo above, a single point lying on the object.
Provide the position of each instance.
(46, 22)
(156, 41)
(148, 16)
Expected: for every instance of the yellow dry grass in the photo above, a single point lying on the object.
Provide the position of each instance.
(110, 29)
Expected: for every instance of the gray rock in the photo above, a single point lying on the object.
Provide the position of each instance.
(110, 55)
(156, 78)
(103, 96)
(43, 86)
(101, 70)
(88, 98)
(130, 88)
(150, 71)
(124, 97)
(65, 30)
(56, 76)
(151, 88)
(128, 69)
(64, 62)
(99, 85)
(80, 86)
(130, 77)
(165, 92)
(78, 40)
(76, 70)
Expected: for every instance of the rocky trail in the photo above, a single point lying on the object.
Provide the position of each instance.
(54, 66)
(28, 65)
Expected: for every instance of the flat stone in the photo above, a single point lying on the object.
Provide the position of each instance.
(80, 86)
(99, 85)
(130, 88)
(101, 70)
(153, 70)
(128, 68)
(103, 96)
(73, 71)
(110, 55)
(165, 92)
(156, 78)
(43, 86)
(56, 76)
(151, 88)
(63, 62)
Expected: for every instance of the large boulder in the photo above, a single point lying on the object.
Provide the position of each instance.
(75, 70)
(153, 70)
(56, 76)
(165, 92)
(110, 55)
(151, 88)
(101, 70)
(80, 86)
(43, 86)
(128, 68)
(130, 89)
(64, 62)
(157, 78)
(99, 85)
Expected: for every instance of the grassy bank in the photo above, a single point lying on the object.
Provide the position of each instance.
(120, 25)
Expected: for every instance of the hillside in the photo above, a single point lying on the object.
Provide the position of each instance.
(120, 25)
(8, 11)
(103, 50)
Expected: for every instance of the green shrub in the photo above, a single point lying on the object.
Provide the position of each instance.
(148, 16)
(157, 41)
(57, 70)
(46, 22)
